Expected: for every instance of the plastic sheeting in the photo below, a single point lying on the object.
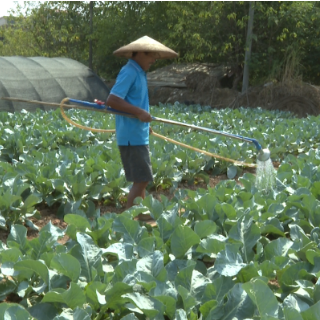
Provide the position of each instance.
(48, 80)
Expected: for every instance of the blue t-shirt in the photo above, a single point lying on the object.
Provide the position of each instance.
(131, 86)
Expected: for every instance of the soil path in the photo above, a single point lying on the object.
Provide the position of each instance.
(49, 214)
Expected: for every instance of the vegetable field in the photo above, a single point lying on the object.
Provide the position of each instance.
(224, 253)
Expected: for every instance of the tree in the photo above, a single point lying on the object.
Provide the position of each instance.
(121, 22)
(205, 31)
(245, 82)
(51, 29)
(91, 31)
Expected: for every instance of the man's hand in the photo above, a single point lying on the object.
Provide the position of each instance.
(122, 105)
(144, 116)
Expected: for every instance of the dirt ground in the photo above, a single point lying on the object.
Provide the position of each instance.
(212, 85)
(206, 85)
(306, 100)
(50, 213)
(300, 98)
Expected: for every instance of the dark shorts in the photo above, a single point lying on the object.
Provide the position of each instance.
(136, 163)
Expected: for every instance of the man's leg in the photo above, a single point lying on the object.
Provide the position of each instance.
(138, 189)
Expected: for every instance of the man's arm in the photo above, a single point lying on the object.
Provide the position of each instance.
(122, 105)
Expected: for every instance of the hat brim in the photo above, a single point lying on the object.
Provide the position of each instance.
(146, 44)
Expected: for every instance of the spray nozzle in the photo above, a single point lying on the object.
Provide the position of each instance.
(264, 155)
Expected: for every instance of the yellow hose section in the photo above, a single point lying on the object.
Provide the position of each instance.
(156, 135)
(204, 152)
(79, 125)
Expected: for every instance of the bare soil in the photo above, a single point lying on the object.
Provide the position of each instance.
(49, 214)
(212, 85)
(303, 102)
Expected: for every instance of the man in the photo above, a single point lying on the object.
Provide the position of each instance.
(130, 95)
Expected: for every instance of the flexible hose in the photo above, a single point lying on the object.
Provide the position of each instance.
(62, 105)
(204, 152)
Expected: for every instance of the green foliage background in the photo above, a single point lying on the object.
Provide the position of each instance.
(211, 31)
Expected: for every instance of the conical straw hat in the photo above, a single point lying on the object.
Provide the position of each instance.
(146, 44)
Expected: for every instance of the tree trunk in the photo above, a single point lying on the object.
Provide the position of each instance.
(245, 81)
(91, 31)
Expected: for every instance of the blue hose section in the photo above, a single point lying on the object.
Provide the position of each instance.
(88, 104)
(254, 141)
(99, 106)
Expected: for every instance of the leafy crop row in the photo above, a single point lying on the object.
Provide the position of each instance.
(229, 252)
(43, 159)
